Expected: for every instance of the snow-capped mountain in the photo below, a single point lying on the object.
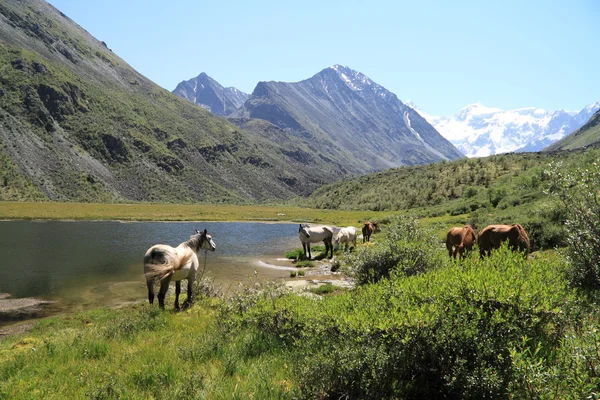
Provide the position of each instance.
(480, 131)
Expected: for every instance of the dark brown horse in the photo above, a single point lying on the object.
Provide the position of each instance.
(492, 237)
(460, 240)
(367, 230)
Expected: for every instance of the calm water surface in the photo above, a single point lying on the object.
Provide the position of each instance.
(88, 264)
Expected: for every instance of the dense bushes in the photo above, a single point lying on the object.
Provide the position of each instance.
(579, 194)
(493, 328)
(407, 248)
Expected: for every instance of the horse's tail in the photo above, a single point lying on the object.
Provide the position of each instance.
(159, 264)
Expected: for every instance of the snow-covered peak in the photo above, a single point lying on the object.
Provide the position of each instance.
(592, 108)
(478, 130)
(475, 110)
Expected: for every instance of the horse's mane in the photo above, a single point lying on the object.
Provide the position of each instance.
(195, 241)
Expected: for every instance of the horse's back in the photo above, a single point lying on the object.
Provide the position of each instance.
(347, 234)
(319, 233)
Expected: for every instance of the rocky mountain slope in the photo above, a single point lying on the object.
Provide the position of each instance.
(209, 94)
(587, 135)
(351, 119)
(78, 123)
(480, 131)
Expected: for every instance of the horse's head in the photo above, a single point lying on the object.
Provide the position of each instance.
(206, 241)
(303, 231)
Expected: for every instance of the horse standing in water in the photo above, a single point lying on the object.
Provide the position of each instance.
(315, 234)
(163, 263)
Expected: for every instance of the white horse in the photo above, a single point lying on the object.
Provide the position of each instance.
(163, 263)
(346, 236)
(315, 234)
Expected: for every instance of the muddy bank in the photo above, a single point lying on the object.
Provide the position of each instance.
(25, 308)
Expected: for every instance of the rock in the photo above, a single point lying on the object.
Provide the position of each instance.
(25, 308)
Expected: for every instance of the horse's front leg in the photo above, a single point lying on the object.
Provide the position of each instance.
(177, 292)
(308, 247)
(190, 286)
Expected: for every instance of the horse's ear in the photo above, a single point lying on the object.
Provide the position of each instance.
(205, 231)
(197, 231)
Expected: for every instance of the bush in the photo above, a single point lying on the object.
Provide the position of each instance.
(578, 192)
(453, 332)
(406, 249)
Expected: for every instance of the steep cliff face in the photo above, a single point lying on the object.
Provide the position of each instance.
(350, 117)
(209, 94)
(78, 123)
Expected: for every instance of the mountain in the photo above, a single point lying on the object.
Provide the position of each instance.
(587, 135)
(480, 131)
(77, 123)
(351, 119)
(209, 94)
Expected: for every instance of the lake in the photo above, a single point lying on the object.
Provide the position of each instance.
(85, 264)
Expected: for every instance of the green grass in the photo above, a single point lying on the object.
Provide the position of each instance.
(180, 212)
(304, 264)
(140, 352)
(327, 288)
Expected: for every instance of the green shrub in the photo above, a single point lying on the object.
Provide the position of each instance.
(407, 249)
(324, 289)
(451, 332)
(578, 192)
(305, 263)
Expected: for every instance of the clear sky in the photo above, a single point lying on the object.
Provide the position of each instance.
(442, 55)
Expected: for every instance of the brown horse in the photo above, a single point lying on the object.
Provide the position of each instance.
(492, 237)
(459, 240)
(367, 230)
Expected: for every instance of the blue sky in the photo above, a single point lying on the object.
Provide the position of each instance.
(442, 55)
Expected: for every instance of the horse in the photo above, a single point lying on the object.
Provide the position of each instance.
(459, 240)
(367, 230)
(492, 237)
(346, 235)
(315, 234)
(163, 263)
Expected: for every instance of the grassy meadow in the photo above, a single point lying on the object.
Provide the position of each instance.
(181, 212)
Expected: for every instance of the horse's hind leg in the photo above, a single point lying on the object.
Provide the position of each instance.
(328, 248)
(150, 284)
(164, 286)
(177, 292)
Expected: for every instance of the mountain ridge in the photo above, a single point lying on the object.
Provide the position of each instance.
(351, 117)
(211, 95)
(77, 123)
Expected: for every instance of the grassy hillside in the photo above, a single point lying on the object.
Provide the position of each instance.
(504, 188)
(78, 123)
(587, 135)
